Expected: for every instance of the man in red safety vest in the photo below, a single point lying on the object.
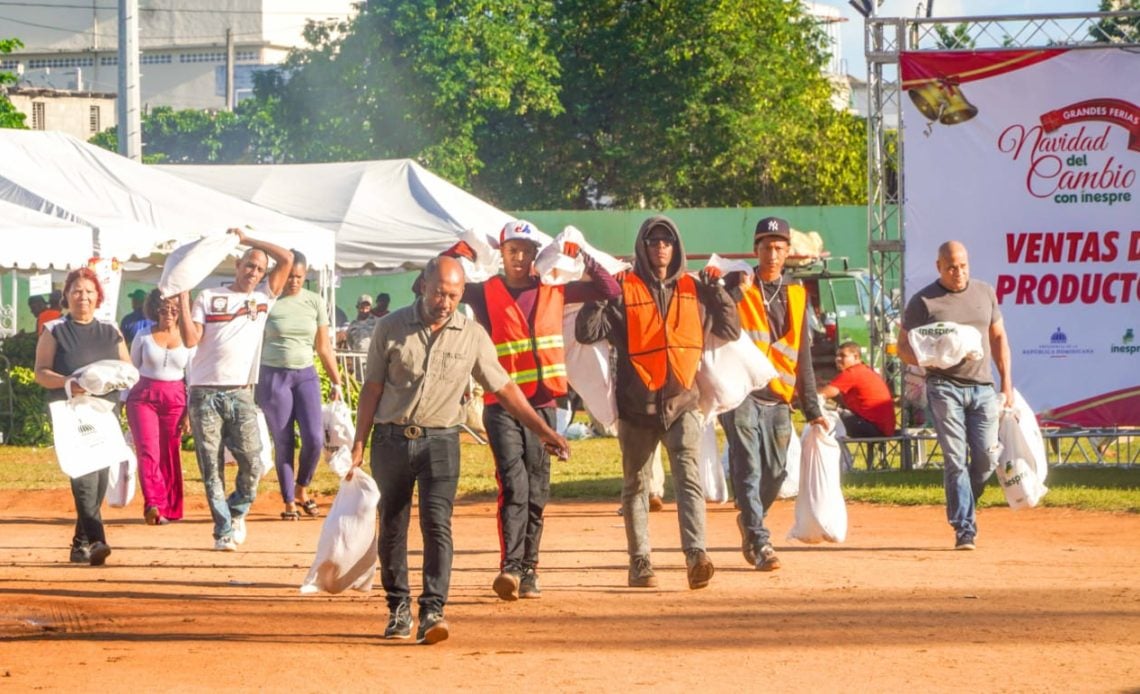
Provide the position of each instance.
(524, 319)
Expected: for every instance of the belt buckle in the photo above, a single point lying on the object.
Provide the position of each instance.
(413, 431)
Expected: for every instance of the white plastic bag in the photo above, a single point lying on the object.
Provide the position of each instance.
(266, 459)
(1016, 468)
(86, 436)
(190, 263)
(944, 344)
(105, 375)
(790, 487)
(336, 419)
(588, 370)
(487, 259)
(554, 268)
(346, 551)
(728, 372)
(708, 460)
(1027, 420)
(122, 481)
(821, 512)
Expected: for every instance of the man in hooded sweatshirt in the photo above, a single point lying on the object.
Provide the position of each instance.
(658, 326)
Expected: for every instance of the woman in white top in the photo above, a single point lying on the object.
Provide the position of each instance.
(156, 409)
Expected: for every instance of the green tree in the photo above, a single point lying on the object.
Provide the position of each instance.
(675, 103)
(9, 116)
(1117, 29)
(956, 39)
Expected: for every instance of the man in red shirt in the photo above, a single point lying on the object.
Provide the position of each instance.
(868, 408)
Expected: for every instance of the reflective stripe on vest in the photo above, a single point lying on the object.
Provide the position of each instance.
(784, 353)
(653, 342)
(529, 354)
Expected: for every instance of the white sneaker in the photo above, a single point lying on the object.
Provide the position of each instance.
(238, 525)
(225, 544)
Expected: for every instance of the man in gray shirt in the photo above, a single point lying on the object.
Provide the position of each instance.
(962, 398)
(418, 366)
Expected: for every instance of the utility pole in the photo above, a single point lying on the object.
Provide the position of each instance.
(230, 69)
(127, 104)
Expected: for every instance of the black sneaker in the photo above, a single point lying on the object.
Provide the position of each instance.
(528, 586)
(766, 559)
(506, 585)
(700, 568)
(641, 573)
(966, 543)
(399, 622)
(98, 553)
(81, 554)
(433, 628)
(746, 545)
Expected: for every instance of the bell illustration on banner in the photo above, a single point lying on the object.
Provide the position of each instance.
(958, 109)
(929, 100)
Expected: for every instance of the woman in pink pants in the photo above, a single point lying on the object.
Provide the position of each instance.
(156, 410)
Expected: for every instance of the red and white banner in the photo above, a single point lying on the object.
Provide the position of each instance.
(1030, 158)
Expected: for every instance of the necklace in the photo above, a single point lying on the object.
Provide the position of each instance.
(769, 299)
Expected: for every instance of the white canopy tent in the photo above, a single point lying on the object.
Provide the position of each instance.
(137, 212)
(388, 215)
(37, 241)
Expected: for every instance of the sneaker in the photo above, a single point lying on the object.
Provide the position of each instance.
(99, 552)
(239, 529)
(745, 545)
(641, 573)
(700, 568)
(506, 585)
(766, 559)
(528, 586)
(399, 622)
(656, 503)
(225, 544)
(966, 543)
(81, 554)
(433, 628)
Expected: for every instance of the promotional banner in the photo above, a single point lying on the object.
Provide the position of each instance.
(110, 274)
(1029, 158)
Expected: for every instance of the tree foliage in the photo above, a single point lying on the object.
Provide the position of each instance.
(1117, 29)
(9, 116)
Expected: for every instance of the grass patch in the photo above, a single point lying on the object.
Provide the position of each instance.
(594, 473)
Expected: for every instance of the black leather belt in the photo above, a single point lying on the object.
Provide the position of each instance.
(414, 431)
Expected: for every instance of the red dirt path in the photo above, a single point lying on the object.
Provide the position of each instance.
(1049, 602)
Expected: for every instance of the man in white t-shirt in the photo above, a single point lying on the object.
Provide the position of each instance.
(226, 325)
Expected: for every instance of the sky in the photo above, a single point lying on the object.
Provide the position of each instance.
(851, 31)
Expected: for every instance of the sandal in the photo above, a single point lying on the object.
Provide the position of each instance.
(290, 515)
(309, 507)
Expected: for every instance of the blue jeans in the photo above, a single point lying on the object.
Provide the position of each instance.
(757, 437)
(682, 441)
(966, 420)
(226, 416)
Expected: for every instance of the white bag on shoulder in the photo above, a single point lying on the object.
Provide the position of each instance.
(190, 263)
(1016, 468)
(821, 512)
(87, 436)
(790, 487)
(346, 551)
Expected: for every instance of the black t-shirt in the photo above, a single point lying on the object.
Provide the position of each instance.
(80, 344)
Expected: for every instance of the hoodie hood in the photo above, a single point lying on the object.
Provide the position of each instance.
(677, 265)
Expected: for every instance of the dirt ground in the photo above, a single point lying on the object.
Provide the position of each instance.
(1050, 601)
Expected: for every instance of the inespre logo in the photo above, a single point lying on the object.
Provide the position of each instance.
(1126, 346)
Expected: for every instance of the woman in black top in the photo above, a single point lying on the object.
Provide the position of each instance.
(66, 345)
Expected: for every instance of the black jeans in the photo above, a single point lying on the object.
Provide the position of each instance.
(857, 427)
(398, 464)
(89, 491)
(522, 469)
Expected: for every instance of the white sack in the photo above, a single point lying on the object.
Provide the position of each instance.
(1027, 420)
(712, 474)
(87, 437)
(945, 344)
(588, 371)
(553, 267)
(821, 512)
(190, 263)
(266, 459)
(790, 487)
(728, 372)
(346, 551)
(122, 481)
(1016, 468)
(487, 259)
(726, 265)
(336, 419)
(103, 376)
